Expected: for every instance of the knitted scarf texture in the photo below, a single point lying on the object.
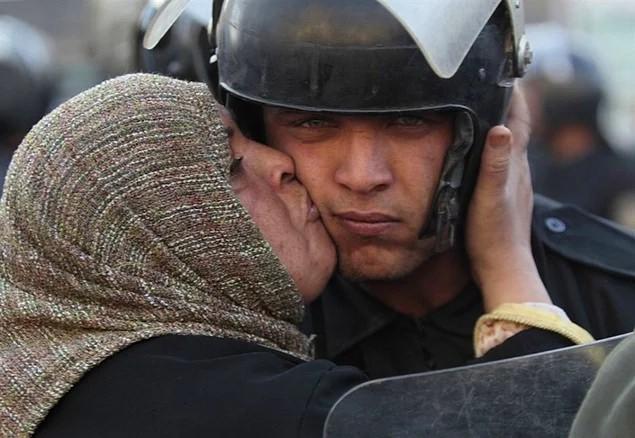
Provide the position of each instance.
(118, 224)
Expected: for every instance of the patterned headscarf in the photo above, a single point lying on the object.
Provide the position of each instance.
(118, 224)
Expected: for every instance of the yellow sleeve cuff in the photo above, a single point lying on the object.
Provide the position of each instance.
(531, 316)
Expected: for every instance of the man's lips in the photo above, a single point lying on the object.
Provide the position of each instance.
(366, 224)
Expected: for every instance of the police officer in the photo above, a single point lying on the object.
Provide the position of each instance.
(387, 108)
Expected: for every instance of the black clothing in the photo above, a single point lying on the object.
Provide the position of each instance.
(199, 386)
(587, 264)
(364, 333)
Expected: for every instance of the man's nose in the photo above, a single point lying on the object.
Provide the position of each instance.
(364, 167)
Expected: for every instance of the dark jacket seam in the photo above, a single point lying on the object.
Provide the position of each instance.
(310, 399)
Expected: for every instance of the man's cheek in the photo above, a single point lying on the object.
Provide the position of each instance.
(332, 229)
(318, 185)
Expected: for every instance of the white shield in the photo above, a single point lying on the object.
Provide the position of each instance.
(169, 11)
(444, 30)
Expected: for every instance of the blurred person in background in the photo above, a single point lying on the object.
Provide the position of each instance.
(26, 83)
(572, 160)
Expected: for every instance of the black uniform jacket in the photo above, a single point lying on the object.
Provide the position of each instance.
(198, 386)
(587, 264)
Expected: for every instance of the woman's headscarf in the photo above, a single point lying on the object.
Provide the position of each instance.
(117, 224)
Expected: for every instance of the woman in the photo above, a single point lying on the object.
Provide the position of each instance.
(119, 224)
(138, 297)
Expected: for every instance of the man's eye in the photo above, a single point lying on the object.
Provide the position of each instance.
(313, 123)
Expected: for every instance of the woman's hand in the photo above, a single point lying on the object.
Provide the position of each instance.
(499, 217)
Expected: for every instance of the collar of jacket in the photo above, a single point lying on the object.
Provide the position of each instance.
(351, 314)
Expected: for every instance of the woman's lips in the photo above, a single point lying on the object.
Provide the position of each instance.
(366, 224)
(313, 215)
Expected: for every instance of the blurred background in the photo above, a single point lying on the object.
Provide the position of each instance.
(581, 86)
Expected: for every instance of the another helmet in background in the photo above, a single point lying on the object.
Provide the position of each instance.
(184, 51)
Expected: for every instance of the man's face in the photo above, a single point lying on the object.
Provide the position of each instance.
(373, 179)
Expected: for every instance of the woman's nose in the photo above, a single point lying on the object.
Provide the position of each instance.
(278, 168)
(275, 167)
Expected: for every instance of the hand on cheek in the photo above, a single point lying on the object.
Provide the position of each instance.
(499, 217)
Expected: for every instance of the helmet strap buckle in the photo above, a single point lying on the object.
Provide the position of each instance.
(447, 218)
(446, 214)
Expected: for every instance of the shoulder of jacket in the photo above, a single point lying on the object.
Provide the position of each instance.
(583, 237)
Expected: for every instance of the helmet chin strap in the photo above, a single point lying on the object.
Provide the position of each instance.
(445, 217)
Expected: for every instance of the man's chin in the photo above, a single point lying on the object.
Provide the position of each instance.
(378, 265)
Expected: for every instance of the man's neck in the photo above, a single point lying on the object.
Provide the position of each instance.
(436, 282)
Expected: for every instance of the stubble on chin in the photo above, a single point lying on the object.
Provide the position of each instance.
(383, 264)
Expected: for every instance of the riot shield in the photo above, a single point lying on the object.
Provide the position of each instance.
(530, 396)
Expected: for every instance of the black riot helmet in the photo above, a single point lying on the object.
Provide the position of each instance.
(375, 57)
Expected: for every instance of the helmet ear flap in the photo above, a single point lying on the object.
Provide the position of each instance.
(454, 189)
